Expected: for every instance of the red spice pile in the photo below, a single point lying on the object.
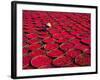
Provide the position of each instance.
(56, 39)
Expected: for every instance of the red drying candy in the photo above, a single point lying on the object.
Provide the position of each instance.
(35, 46)
(62, 61)
(73, 53)
(87, 51)
(40, 28)
(83, 60)
(51, 46)
(70, 37)
(26, 61)
(66, 46)
(53, 31)
(60, 40)
(64, 33)
(24, 44)
(57, 35)
(86, 41)
(75, 32)
(33, 41)
(74, 41)
(44, 36)
(32, 35)
(49, 40)
(25, 50)
(55, 53)
(37, 53)
(41, 61)
(24, 38)
(82, 36)
(81, 47)
(59, 28)
(42, 33)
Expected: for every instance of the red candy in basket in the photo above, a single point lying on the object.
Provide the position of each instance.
(49, 40)
(66, 46)
(25, 50)
(33, 41)
(86, 41)
(51, 46)
(31, 35)
(61, 40)
(73, 53)
(55, 53)
(83, 60)
(53, 31)
(62, 61)
(37, 53)
(44, 36)
(81, 46)
(26, 61)
(35, 46)
(57, 35)
(87, 51)
(75, 41)
(40, 61)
